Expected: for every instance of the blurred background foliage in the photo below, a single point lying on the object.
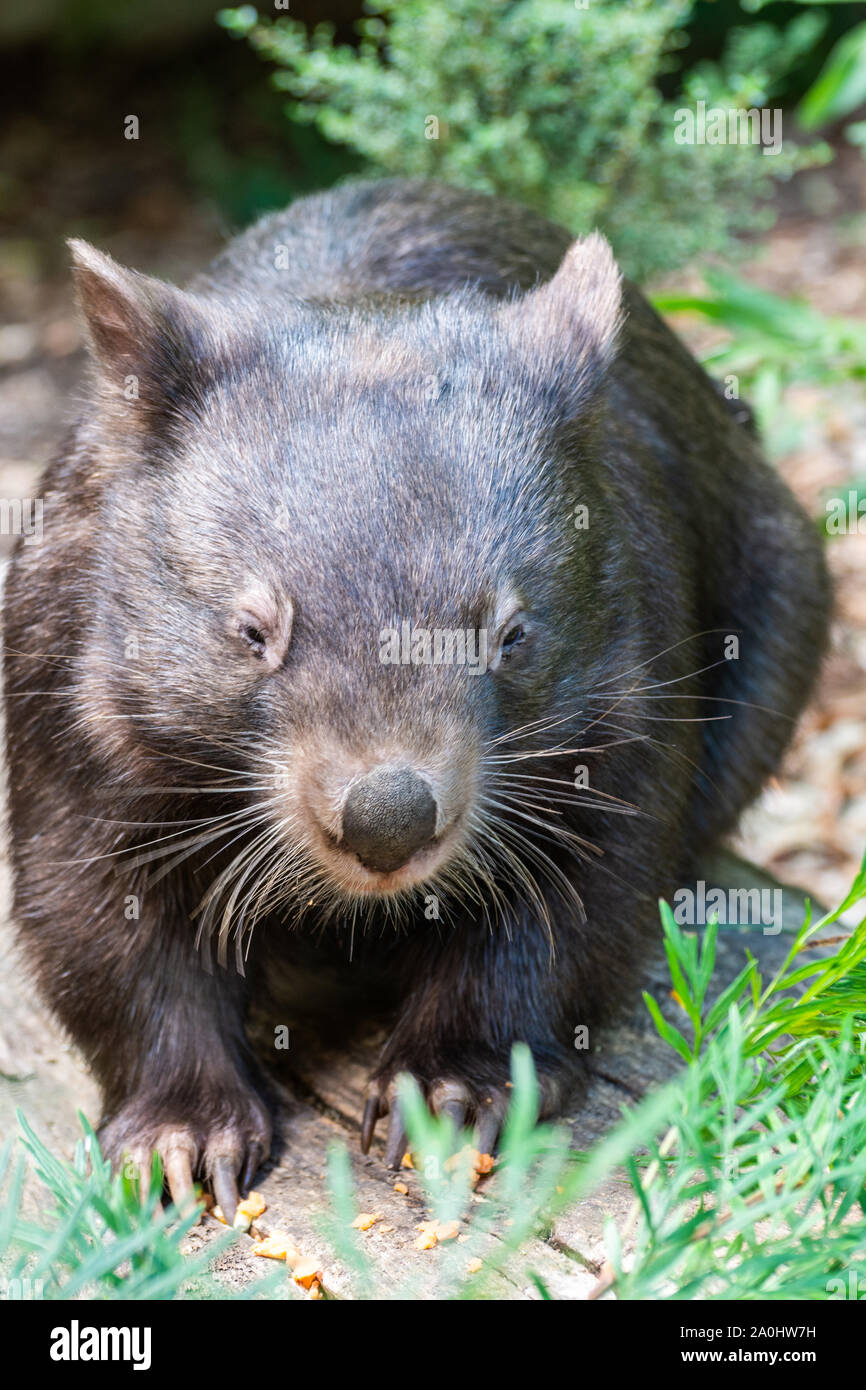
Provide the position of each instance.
(559, 103)
(565, 104)
(568, 109)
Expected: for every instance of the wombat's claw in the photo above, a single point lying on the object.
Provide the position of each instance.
(451, 1098)
(177, 1167)
(490, 1120)
(224, 1181)
(255, 1158)
(368, 1124)
(395, 1144)
(487, 1110)
(226, 1152)
(377, 1105)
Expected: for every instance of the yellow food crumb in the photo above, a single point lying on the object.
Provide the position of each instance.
(253, 1205)
(365, 1219)
(447, 1230)
(277, 1246)
(401, 1188)
(306, 1273)
(432, 1232)
(428, 1237)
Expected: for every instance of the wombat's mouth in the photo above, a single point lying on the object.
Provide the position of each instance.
(380, 822)
(352, 875)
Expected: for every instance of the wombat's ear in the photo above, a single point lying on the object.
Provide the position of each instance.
(138, 326)
(568, 328)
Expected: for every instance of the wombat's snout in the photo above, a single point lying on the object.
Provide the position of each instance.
(388, 814)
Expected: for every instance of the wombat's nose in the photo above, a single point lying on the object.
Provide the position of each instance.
(388, 814)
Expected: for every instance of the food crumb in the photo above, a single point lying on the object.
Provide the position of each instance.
(306, 1273)
(428, 1237)
(277, 1246)
(432, 1232)
(252, 1206)
(365, 1219)
(447, 1230)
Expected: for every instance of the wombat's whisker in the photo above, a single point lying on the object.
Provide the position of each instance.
(225, 790)
(209, 767)
(515, 800)
(600, 718)
(186, 847)
(549, 869)
(562, 800)
(673, 752)
(500, 836)
(685, 719)
(557, 749)
(467, 874)
(707, 632)
(167, 866)
(542, 725)
(54, 658)
(715, 699)
(256, 902)
(485, 865)
(569, 801)
(239, 869)
(561, 782)
(45, 694)
(674, 680)
(559, 752)
(271, 888)
(207, 840)
(554, 830)
(134, 849)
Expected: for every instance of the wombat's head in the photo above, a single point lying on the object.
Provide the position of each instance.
(355, 565)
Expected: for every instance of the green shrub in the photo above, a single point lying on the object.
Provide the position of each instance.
(772, 344)
(556, 106)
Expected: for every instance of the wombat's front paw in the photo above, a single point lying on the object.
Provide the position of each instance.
(474, 1092)
(222, 1138)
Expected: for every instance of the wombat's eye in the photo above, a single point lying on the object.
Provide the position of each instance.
(512, 641)
(254, 637)
(265, 629)
(511, 638)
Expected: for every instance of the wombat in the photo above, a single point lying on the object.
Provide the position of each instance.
(410, 600)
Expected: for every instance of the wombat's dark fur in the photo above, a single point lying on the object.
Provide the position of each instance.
(411, 422)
